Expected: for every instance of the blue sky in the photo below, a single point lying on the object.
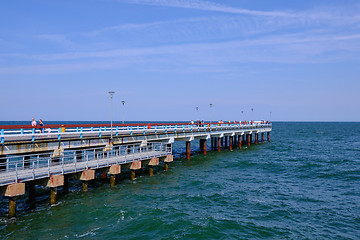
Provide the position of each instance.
(298, 59)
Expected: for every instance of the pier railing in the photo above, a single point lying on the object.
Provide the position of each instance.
(21, 132)
(41, 165)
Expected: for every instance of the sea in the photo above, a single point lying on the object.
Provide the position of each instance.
(303, 184)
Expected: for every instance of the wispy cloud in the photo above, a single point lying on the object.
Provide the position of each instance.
(208, 6)
(291, 48)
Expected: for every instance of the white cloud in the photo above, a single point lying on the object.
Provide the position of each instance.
(221, 56)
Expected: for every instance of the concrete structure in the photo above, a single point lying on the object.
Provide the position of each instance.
(80, 152)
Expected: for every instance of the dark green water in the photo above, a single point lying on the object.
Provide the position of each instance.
(305, 184)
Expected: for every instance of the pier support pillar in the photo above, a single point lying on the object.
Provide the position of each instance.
(153, 162)
(12, 207)
(113, 170)
(135, 165)
(151, 171)
(239, 141)
(230, 143)
(212, 143)
(268, 136)
(256, 138)
(168, 159)
(248, 139)
(188, 150)
(222, 142)
(53, 193)
(219, 145)
(226, 142)
(12, 191)
(85, 177)
(203, 146)
(84, 186)
(112, 180)
(262, 137)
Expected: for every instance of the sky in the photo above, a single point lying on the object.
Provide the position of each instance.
(286, 60)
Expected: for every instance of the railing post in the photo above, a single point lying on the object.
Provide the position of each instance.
(75, 161)
(33, 168)
(62, 164)
(48, 167)
(16, 172)
(2, 136)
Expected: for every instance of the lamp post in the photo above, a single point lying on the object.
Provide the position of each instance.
(123, 112)
(111, 97)
(210, 114)
(197, 115)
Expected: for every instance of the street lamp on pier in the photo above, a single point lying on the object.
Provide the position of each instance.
(123, 112)
(111, 97)
(210, 114)
(197, 114)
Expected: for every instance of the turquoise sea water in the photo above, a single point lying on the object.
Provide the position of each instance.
(304, 184)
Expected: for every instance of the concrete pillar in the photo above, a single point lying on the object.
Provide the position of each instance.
(132, 175)
(243, 139)
(212, 143)
(251, 138)
(219, 145)
(222, 141)
(256, 138)
(166, 166)
(84, 186)
(268, 136)
(85, 177)
(230, 143)
(112, 180)
(12, 207)
(203, 146)
(188, 150)
(226, 142)
(153, 162)
(239, 141)
(248, 139)
(12, 191)
(262, 137)
(53, 193)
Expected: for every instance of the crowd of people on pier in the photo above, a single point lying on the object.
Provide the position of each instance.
(202, 122)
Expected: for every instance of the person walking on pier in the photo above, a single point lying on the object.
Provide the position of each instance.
(33, 123)
(41, 124)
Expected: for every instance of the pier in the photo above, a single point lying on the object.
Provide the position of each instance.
(50, 156)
